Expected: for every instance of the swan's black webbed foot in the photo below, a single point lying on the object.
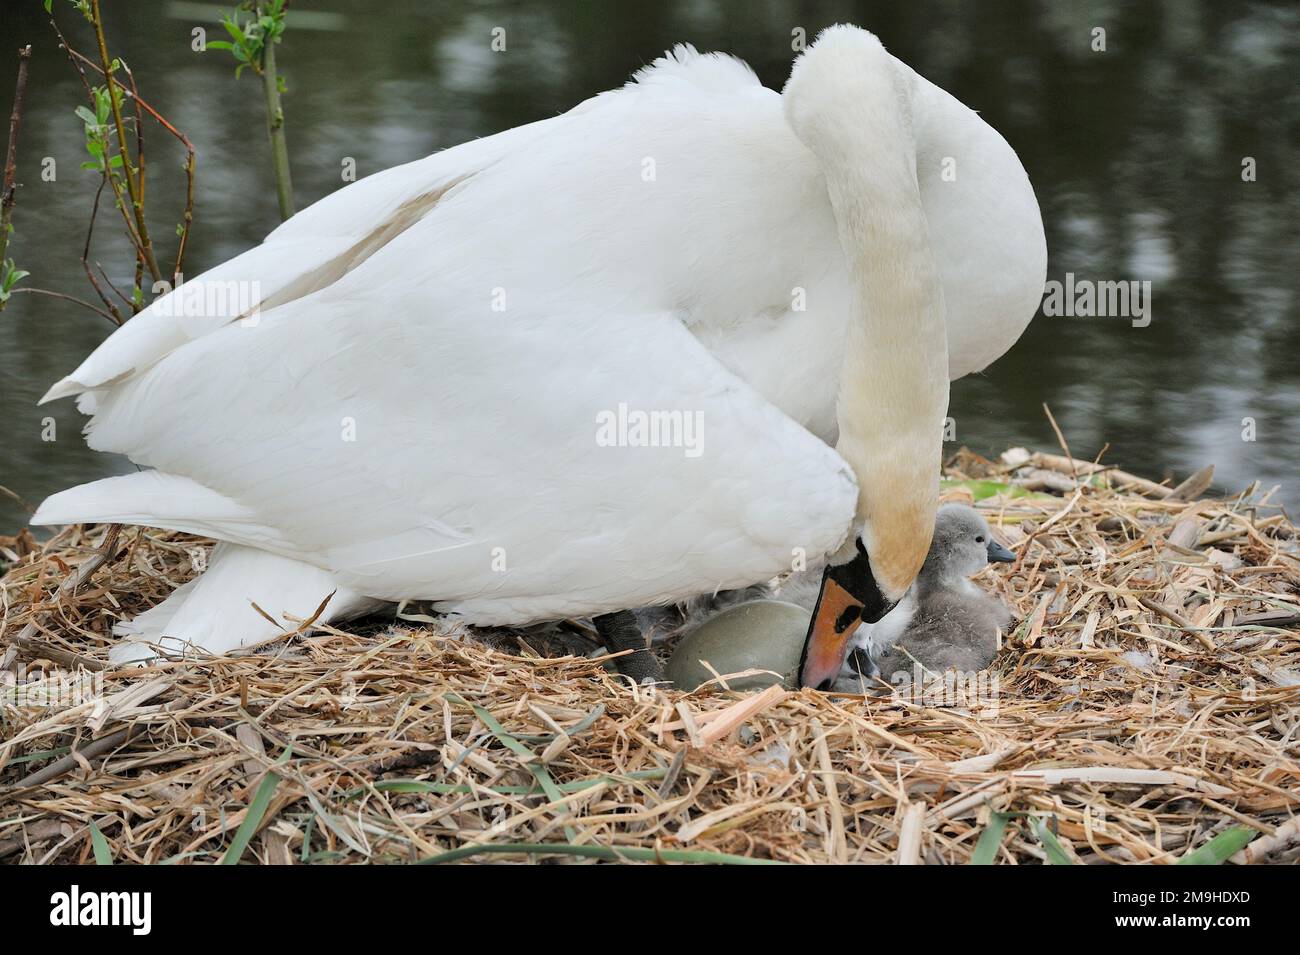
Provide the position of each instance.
(620, 631)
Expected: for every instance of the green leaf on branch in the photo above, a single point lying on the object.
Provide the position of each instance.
(10, 275)
(248, 40)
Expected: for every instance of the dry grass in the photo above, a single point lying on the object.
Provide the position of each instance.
(1149, 701)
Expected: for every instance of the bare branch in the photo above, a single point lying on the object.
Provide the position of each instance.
(129, 172)
(69, 298)
(9, 195)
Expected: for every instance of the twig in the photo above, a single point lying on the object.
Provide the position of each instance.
(85, 258)
(420, 757)
(77, 61)
(275, 129)
(116, 291)
(137, 299)
(187, 216)
(1178, 620)
(128, 171)
(70, 298)
(68, 763)
(9, 196)
(1072, 465)
(33, 833)
(73, 57)
(39, 648)
(1285, 834)
(1172, 616)
(1060, 439)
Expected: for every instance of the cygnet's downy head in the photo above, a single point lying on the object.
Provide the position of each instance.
(962, 546)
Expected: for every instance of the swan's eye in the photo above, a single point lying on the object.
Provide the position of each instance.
(979, 540)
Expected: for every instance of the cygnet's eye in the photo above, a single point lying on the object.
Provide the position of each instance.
(979, 540)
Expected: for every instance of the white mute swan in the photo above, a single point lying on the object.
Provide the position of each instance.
(441, 391)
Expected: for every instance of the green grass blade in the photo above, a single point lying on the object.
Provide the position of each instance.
(103, 855)
(256, 810)
(529, 758)
(578, 727)
(608, 853)
(986, 850)
(306, 838)
(43, 754)
(1056, 853)
(1219, 849)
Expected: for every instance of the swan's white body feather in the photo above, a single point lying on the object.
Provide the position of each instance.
(386, 427)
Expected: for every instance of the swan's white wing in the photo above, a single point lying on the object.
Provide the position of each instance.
(472, 468)
(333, 235)
(306, 253)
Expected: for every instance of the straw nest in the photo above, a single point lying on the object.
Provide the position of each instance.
(1145, 709)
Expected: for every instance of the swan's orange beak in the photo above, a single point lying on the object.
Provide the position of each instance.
(849, 596)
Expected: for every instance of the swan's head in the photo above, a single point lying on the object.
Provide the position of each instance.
(849, 596)
(962, 546)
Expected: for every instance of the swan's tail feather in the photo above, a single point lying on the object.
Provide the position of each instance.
(229, 605)
(245, 597)
(157, 499)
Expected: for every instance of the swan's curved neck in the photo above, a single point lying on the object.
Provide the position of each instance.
(849, 102)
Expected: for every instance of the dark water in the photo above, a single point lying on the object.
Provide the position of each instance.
(1136, 155)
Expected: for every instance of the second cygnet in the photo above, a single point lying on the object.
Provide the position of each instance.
(945, 621)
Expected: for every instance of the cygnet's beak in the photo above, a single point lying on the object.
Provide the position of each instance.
(999, 554)
(849, 596)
